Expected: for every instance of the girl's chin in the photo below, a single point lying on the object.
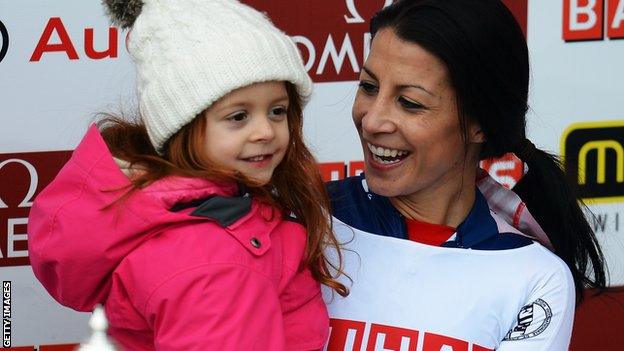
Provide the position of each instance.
(259, 179)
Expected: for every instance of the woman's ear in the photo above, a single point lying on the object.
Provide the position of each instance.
(475, 133)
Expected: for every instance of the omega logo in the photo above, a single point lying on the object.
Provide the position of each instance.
(355, 16)
(34, 181)
(4, 34)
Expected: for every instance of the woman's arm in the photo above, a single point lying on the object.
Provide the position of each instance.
(545, 321)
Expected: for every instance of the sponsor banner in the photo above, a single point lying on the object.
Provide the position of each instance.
(65, 45)
(615, 19)
(594, 159)
(336, 40)
(22, 177)
(586, 20)
(62, 62)
(574, 89)
(583, 19)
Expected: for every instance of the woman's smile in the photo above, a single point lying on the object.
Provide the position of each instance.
(384, 158)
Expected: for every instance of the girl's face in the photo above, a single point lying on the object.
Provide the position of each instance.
(247, 130)
(406, 115)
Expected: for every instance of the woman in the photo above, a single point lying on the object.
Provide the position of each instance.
(446, 85)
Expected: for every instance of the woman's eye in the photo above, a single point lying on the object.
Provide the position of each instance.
(237, 117)
(408, 104)
(368, 88)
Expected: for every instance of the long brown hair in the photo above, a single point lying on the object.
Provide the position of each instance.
(296, 184)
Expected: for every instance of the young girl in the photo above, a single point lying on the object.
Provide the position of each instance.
(190, 225)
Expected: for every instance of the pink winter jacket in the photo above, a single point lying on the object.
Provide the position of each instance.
(220, 279)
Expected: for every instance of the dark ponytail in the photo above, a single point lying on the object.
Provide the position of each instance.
(487, 58)
(554, 203)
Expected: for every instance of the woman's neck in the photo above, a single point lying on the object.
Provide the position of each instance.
(447, 205)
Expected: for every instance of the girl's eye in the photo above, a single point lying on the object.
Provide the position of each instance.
(278, 111)
(368, 88)
(237, 117)
(408, 104)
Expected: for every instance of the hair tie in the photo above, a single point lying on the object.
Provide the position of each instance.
(525, 151)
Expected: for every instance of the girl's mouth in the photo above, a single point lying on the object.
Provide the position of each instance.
(259, 161)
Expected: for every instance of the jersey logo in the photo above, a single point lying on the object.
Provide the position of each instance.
(533, 319)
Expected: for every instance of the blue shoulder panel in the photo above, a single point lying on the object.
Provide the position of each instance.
(480, 232)
(354, 204)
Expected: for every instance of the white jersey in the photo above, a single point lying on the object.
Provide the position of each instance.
(410, 296)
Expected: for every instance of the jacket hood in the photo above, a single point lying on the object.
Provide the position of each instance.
(76, 239)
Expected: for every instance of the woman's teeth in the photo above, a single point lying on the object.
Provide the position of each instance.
(384, 162)
(386, 156)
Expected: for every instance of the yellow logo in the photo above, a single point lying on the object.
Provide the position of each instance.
(594, 157)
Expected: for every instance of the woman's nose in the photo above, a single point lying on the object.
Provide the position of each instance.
(377, 117)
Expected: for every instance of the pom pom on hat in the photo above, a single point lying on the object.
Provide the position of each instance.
(123, 13)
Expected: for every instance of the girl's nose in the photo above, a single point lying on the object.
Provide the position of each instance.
(264, 130)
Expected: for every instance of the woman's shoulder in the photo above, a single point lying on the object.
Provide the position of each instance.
(350, 187)
(546, 261)
(354, 204)
(531, 265)
(350, 198)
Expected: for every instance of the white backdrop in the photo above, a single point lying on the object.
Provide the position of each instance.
(47, 104)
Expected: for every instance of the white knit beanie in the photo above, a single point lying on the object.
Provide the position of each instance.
(190, 53)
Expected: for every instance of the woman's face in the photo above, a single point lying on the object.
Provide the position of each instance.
(406, 114)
